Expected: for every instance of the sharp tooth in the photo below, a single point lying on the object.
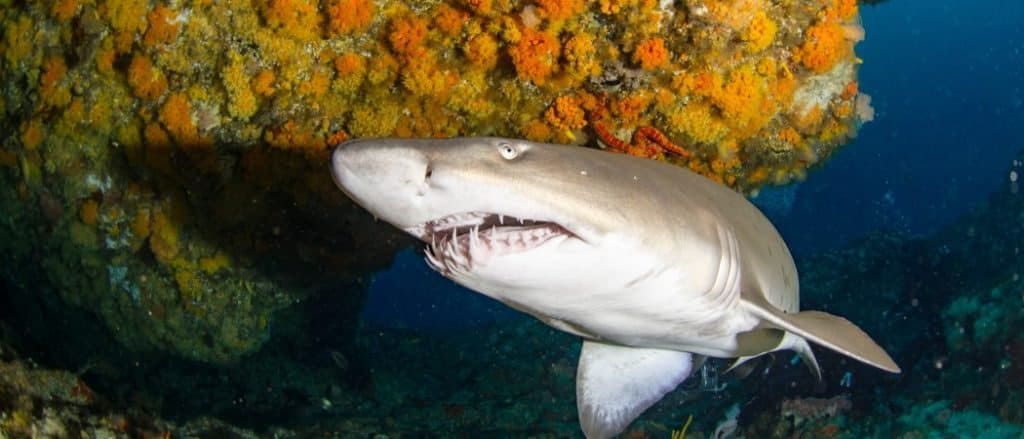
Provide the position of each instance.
(433, 261)
(501, 219)
(520, 221)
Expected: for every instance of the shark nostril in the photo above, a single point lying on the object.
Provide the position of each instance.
(428, 173)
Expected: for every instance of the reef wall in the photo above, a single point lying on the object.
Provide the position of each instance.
(163, 163)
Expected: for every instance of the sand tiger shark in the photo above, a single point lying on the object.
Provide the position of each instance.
(653, 266)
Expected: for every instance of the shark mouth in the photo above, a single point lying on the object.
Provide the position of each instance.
(461, 241)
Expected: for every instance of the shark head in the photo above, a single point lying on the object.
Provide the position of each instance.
(490, 209)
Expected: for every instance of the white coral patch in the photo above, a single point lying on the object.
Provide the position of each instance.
(819, 90)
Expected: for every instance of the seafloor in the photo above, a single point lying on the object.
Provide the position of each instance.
(949, 306)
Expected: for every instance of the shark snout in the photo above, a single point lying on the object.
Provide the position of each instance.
(382, 175)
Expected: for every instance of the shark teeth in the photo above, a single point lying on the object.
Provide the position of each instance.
(467, 220)
(455, 221)
(460, 242)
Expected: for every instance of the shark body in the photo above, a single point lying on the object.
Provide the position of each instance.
(653, 266)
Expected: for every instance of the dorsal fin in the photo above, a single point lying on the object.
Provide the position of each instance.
(830, 331)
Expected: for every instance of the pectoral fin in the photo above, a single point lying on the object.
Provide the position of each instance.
(615, 384)
(830, 331)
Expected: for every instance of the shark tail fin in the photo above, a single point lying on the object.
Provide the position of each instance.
(830, 331)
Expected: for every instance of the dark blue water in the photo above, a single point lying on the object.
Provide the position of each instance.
(947, 82)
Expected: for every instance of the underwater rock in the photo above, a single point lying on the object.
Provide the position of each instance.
(164, 164)
(39, 402)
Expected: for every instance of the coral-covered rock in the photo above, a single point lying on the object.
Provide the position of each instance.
(164, 162)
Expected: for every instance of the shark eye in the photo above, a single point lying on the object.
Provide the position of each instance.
(508, 151)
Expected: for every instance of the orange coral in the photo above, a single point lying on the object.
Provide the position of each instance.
(482, 7)
(350, 69)
(383, 68)
(482, 51)
(833, 131)
(629, 109)
(580, 53)
(176, 115)
(263, 83)
(703, 83)
(155, 135)
(734, 14)
(810, 120)
(75, 112)
(535, 55)
(612, 7)
(51, 89)
(125, 16)
(698, 123)
(760, 33)
(407, 34)
(536, 130)
(651, 53)
(758, 175)
(790, 136)
(147, 82)
(743, 100)
(565, 114)
(824, 46)
(843, 110)
(242, 101)
(721, 165)
(291, 136)
(163, 26)
(31, 134)
(348, 16)
(163, 238)
(849, 91)
(105, 57)
(63, 10)
(423, 78)
(557, 10)
(426, 119)
(782, 89)
(316, 85)
(349, 64)
(123, 41)
(298, 19)
(843, 9)
(450, 20)
(336, 138)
